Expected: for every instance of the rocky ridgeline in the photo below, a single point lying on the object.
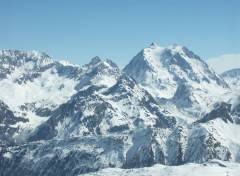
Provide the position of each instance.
(166, 106)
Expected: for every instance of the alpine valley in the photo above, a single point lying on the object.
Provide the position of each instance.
(166, 108)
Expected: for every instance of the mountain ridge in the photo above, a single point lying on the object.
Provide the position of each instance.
(80, 119)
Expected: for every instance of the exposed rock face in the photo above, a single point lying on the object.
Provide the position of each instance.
(8, 123)
(221, 110)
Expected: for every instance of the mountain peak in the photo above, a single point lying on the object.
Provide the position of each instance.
(95, 60)
(165, 68)
(24, 54)
(18, 58)
(36, 54)
(153, 45)
(111, 63)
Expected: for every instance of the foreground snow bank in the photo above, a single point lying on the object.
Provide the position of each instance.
(214, 168)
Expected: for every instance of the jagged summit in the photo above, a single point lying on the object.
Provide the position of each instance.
(10, 60)
(17, 58)
(153, 45)
(95, 60)
(27, 54)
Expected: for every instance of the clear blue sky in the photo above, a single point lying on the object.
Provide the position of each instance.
(78, 30)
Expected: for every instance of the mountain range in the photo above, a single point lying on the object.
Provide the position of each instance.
(167, 106)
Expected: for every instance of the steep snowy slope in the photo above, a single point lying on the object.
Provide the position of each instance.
(176, 74)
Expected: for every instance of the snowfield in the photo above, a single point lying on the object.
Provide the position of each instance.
(214, 169)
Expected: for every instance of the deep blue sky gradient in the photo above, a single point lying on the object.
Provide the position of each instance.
(78, 30)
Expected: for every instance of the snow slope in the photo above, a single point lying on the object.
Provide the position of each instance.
(175, 75)
(33, 84)
(191, 169)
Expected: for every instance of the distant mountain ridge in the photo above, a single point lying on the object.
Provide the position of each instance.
(232, 77)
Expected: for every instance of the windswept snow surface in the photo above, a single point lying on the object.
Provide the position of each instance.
(191, 169)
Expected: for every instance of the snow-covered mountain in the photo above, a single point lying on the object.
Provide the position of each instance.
(166, 107)
(33, 84)
(175, 74)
